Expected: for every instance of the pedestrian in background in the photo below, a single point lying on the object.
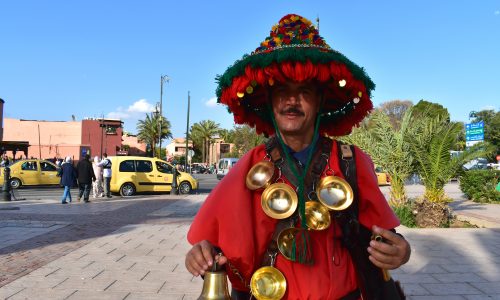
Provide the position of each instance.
(86, 176)
(97, 188)
(68, 177)
(106, 173)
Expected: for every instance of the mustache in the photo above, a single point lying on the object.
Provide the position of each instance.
(292, 110)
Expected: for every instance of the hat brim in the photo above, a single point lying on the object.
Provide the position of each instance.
(346, 87)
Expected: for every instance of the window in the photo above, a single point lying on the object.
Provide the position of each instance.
(29, 166)
(143, 166)
(45, 166)
(163, 167)
(127, 166)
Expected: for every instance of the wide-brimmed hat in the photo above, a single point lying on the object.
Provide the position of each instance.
(295, 51)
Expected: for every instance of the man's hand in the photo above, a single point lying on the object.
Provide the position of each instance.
(201, 257)
(390, 254)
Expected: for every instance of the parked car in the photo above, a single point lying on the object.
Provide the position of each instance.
(198, 169)
(32, 172)
(133, 174)
(224, 165)
(383, 177)
(476, 164)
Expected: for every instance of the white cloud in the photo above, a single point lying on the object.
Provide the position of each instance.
(212, 102)
(497, 12)
(489, 107)
(141, 106)
(138, 108)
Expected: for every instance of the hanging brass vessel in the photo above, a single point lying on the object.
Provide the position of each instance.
(260, 175)
(334, 192)
(215, 286)
(279, 201)
(268, 283)
(317, 216)
(285, 241)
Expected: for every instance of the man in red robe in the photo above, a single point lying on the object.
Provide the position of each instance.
(295, 88)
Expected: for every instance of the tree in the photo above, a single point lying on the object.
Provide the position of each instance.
(435, 136)
(245, 138)
(395, 110)
(227, 135)
(148, 131)
(203, 133)
(430, 109)
(388, 148)
(491, 121)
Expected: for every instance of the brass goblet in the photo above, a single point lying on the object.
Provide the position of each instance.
(268, 283)
(260, 175)
(317, 216)
(279, 201)
(334, 192)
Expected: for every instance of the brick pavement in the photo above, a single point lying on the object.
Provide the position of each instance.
(142, 258)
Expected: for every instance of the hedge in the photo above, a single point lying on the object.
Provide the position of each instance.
(479, 185)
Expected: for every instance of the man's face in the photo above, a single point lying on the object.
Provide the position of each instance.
(295, 106)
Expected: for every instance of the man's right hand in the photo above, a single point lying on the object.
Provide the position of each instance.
(201, 257)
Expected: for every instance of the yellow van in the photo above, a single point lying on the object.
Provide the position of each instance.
(132, 174)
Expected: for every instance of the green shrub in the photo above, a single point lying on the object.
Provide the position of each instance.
(479, 185)
(405, 215)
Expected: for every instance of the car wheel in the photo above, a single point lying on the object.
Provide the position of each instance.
(15, 183)
(185, 187)
(127, 189)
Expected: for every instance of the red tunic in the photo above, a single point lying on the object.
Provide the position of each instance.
(232, 219)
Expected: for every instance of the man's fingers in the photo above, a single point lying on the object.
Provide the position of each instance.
(388, 235)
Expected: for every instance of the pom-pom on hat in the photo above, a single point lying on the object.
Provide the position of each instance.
(295, 51)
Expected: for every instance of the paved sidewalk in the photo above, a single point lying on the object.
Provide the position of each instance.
(142, 257)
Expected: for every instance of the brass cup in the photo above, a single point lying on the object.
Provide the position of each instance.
(317, 216)
(334, 192)
(268, 283)
(260, 175)
(279, 201)
(285, 241)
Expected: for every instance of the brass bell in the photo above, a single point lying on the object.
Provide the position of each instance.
(215, 286)
(334, 192)
(268, 283)
(317, 216)
(279, 201)
(260, 175)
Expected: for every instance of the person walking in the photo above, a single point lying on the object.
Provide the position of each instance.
(106, 173)
(85, 175)
(297, 90)
(68, 178)
(97, 185)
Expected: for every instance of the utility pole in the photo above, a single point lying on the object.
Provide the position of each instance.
(187, 135)
(163, 78)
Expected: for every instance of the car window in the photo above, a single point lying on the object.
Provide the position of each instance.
(45, 166)
(163, 167)
(233, 163)
(378, 170)
(221, 164)
(143, 166)
(29, 166)
(127, 166)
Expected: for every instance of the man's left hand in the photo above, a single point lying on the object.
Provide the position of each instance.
(390, 254)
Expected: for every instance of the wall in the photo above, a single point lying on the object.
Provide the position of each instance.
(48, 138)
(136, 148)
(93, 137)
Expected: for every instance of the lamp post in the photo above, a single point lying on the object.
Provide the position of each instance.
(163, 79)
(187, 134)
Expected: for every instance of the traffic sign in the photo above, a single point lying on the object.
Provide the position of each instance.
(474, 132)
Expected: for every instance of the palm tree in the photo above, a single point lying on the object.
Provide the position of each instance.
(388, 149)
(431, 146)
(204, 132)
(148, 130)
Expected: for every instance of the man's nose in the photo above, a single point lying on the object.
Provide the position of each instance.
(292, 99)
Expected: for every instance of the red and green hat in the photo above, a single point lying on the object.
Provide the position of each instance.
(295, 51)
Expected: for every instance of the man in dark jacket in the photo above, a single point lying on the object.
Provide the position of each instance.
(86, 175)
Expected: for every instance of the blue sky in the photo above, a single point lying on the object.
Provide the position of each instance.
(93, 58)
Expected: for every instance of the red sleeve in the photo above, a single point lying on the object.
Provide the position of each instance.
(373, 207)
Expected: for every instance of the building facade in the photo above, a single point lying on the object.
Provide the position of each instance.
(58, 139)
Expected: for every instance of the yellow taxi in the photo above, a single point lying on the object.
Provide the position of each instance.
(383, 178)
(132, 174)
(32, 172)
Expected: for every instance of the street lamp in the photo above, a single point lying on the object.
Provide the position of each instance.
(163, 79)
